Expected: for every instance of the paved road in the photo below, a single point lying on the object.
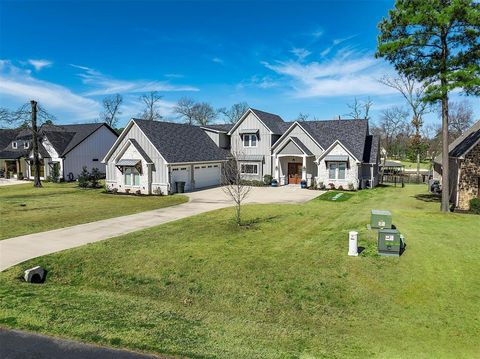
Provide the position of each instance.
(19, 249)
(15, 344)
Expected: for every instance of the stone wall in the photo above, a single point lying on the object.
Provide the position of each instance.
(469, 178)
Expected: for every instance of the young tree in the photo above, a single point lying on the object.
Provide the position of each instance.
(233, 185)
(184, 109)
(359, 109)
(393, 122)
(152, 106)
(111, 109)
(302, 117)
(27, 116)
(435, 42)
(235, 112)
(413, 93)
(460, 117)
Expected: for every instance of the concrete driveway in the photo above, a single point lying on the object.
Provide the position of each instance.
(19, 249)
(10, 182)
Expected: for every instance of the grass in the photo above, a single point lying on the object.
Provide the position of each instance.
(335, 196)
(26, 210)
(424, 165)
(281, 287)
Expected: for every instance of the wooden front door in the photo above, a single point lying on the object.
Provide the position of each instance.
(294, 173)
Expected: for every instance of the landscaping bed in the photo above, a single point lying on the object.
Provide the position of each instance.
(282, 287)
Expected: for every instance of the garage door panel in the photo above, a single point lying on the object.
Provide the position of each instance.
(181, 174)
(207, 175)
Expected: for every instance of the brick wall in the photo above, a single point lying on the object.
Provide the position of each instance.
(469, 178)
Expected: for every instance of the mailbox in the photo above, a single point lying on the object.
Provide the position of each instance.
(380, 219)
(390, 242)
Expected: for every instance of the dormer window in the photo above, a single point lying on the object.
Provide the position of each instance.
(14, 145)
(26, 145)
(250, 140)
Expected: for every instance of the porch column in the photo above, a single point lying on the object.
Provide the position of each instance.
(304, 167)
(276, 168)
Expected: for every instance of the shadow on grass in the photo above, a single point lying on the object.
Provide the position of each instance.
(427, 197)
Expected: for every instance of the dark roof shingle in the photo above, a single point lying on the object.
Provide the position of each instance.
(274, 122)
(180, 143)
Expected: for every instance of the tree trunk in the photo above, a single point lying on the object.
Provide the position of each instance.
(418, 166)
(238, 214)
(36, 159)
(445, 157)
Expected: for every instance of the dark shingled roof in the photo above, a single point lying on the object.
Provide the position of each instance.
(180, 143)
(462, 144)
(372, 145)
(219, 127)
(351, 133)
(7, 136)
(274, 122)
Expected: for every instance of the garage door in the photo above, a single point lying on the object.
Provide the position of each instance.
(181, 174)
(207, 175)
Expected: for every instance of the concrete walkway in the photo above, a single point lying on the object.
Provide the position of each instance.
(16, 344)
(11, 182)
(19, 249)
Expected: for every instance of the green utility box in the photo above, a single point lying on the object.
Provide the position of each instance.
(380, 219)
(390, 242)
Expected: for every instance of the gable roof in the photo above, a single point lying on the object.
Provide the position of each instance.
(301, 146)
(273, 122)
(372, 146)
(9, 135)
(219, 127)
(463, 144)
(181, 143)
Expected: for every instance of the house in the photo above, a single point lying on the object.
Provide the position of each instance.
(152, 156)
(334, 152)
(464, 168)
(65, 147)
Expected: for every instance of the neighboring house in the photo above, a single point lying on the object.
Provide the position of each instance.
(464, 168)
(152, 156)
(67, 147)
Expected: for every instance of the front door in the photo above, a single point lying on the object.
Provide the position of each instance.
(294, 173)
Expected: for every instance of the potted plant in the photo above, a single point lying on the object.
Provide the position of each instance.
(274, 183)
(303, 184)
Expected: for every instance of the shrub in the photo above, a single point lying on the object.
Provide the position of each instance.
(84, 178)
(158, 191)
(350, 186)
(475, 205)
(321, 185)
(340, 188)
(20, 176)
(331, 185)
(127, 191)
(267, 180)
(95, 178)
(138, 192)
(114, 190)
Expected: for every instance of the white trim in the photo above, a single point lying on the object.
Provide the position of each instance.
(117, 142)
(250, 140)
(243, 118)
(296, 145)
(285, 135)
(256, 164)
(332, 146)
(16, 145)
(213, 130)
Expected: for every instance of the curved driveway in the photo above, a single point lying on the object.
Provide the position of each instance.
(19, 249)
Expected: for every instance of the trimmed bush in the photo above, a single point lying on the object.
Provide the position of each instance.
(475, 205)
(267, 180)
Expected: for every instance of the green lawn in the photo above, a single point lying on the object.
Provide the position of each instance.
(280, 287)
(24, 209)
(424, 165)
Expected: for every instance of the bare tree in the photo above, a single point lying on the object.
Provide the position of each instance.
(393, 123)
(414, 94)
(233, 185)
(152, 104)
(360, 109)
(27, 116)
(303, 117)
(203, 113)
(234, 113)
(460, 117)
(111, 109)
(185, 109)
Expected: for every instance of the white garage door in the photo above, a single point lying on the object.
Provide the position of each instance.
(207, 175)
(181, 174)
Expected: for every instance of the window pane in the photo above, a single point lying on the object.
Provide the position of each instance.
(136, 179)
(254, 140)
(332, 167)
(127, 174)
(341, 170)
(246, 140)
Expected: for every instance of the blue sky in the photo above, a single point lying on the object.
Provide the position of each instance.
(283, 57)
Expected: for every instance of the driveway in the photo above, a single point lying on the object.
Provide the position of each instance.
(10, 182)
(19, 249)
(16, 344)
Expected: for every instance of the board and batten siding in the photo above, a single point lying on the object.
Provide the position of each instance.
(351, 173)
(159, 174)
(93, 147)
(251, 122)
(298, 132)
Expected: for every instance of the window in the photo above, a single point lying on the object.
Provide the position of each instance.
(341, 170)
(131, 176)
(332, 170)
(14, 145)
(95, 160)
(26, 145)
(250, 140)
(337, 170)
(249, 168)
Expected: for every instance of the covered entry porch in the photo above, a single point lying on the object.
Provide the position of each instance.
(292, 169)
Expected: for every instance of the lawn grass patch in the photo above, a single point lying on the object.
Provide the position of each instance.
(283, 287)
(25, 209)
(335, 196)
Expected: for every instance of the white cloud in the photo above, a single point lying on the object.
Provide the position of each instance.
(218, 60)
(105, 85)
(40, 64)
(348, 73)
(300, 53)
(18, 86)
